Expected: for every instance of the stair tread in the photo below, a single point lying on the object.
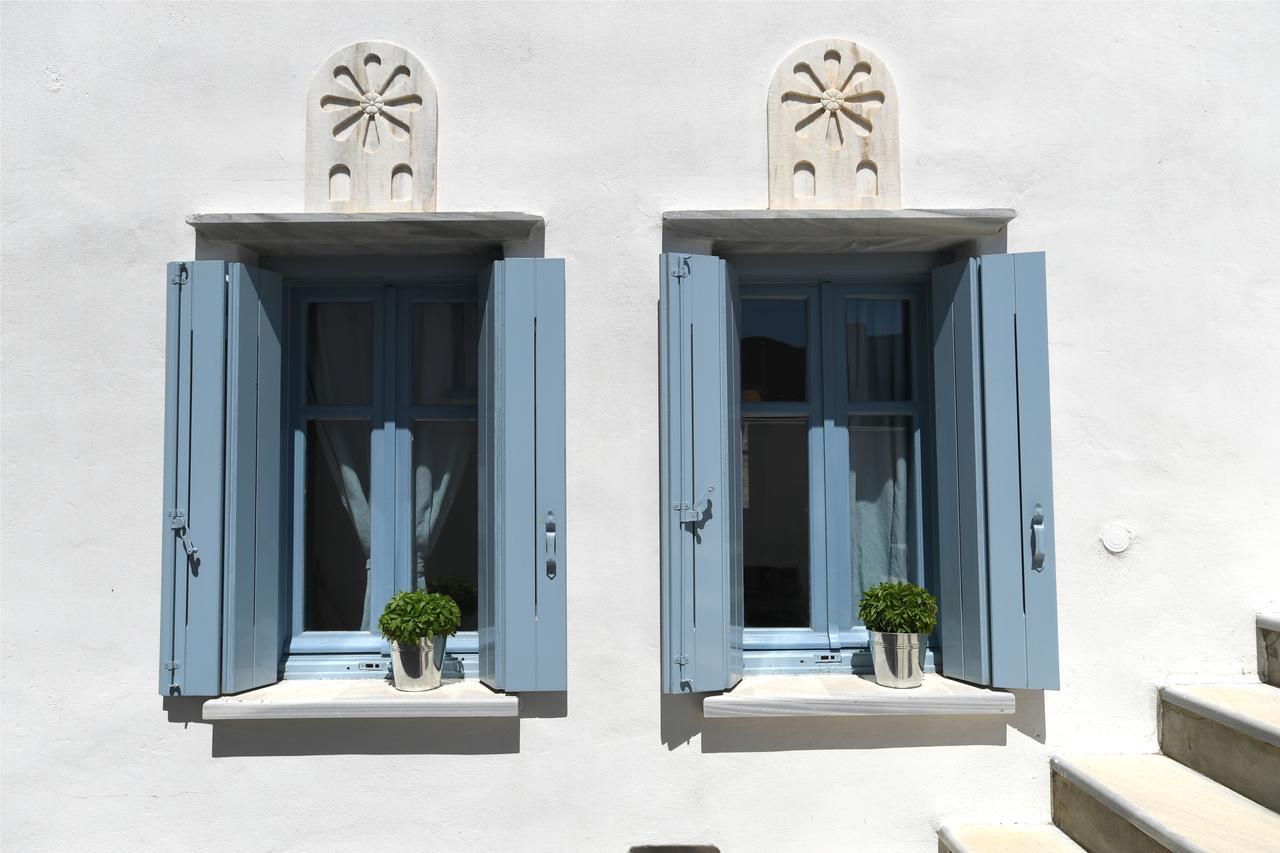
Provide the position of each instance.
(1251, 708)
(1173, 804)
(1015, 838)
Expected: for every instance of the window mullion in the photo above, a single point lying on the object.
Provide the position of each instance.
(400, 377)
(836, 466)
(819, 591)
(383, 521)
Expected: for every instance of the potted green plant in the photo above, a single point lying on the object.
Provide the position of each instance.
(899, 616)
(417, 623)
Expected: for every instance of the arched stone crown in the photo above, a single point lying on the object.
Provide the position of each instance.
(371, 132)
(833, 130)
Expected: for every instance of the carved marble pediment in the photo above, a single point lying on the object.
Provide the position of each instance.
(371, 132)
(833, 130)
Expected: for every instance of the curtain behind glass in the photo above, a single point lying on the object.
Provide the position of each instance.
(876, 349)
(878, 501)
(340, 371)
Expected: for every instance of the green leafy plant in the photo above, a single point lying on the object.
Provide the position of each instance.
(464, 592)
(410, 616)
(898, 608)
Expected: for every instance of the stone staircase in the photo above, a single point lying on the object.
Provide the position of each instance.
(1215, 786)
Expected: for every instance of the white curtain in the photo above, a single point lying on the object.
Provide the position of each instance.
(441, 451)
(878, 501)
(341, 372)
(876, 341)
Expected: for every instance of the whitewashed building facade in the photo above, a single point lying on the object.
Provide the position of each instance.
(653, 333)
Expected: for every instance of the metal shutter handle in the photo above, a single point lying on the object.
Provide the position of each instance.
(550, 529)
(1037, 538)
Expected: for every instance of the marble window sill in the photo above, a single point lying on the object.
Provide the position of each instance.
(848, 695)
(306, 699)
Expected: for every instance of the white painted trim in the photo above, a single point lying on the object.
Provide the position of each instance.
(360, 698)
(1267, 622)
(1013, 838)
(1218, 709)
(852, 695)
(1214, 800)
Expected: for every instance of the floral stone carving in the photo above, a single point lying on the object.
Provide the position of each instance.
(371, 132)
(833, 130)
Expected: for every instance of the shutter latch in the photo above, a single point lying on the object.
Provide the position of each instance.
(696, 512)
(181, 278)
(178, 524)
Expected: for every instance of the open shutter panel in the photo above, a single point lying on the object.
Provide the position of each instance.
(994, 473)
(701, 478)
(254, 621)
(523, 634)
(221, 626)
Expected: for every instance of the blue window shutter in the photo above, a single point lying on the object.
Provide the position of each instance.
(994, 472)
(701, 476)
(253, 609)
(522, 620)
(222, 508)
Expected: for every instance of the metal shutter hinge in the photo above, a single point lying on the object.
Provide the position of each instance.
(172, 665)
(181, 278)
(682, 271)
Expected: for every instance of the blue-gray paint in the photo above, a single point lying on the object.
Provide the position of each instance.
(960, 502)
(523, 565)
(1035, 454)
(220, 616)
(994, 469)
(701, 450)
(253, 624)
(191, 649)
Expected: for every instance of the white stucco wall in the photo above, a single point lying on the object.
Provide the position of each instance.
(1137, 144)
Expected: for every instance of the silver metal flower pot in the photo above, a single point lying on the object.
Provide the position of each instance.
(417, 668)
(898, 659)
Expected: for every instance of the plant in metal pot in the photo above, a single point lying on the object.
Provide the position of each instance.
(417, 623)
(899, 616)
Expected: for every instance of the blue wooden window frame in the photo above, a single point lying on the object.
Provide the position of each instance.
(824, 284)
(392, 415)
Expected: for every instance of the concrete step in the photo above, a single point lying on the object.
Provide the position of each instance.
(1269, 649)
(1008, 838)
(1228, 732)
(1130, 803)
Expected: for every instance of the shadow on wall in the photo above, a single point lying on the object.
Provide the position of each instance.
(682, 720)
(439, 736)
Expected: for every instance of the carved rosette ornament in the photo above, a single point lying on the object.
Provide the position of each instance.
(833, 130)
(371, 132)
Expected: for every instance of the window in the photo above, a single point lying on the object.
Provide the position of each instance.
(327, 445)
(384, 466)
(824, 432)
(831, 437)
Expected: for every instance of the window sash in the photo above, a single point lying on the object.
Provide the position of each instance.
(832, 609)
(392, 415)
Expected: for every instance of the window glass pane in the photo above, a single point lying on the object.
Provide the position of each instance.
(444, 512)
(445, 349)
(879, 501)
(775, 516)
(337, 526)
(876, 343)
(340, 353)
(774, 342)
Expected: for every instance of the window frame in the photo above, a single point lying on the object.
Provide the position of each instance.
(826, 282)
(391, 414)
